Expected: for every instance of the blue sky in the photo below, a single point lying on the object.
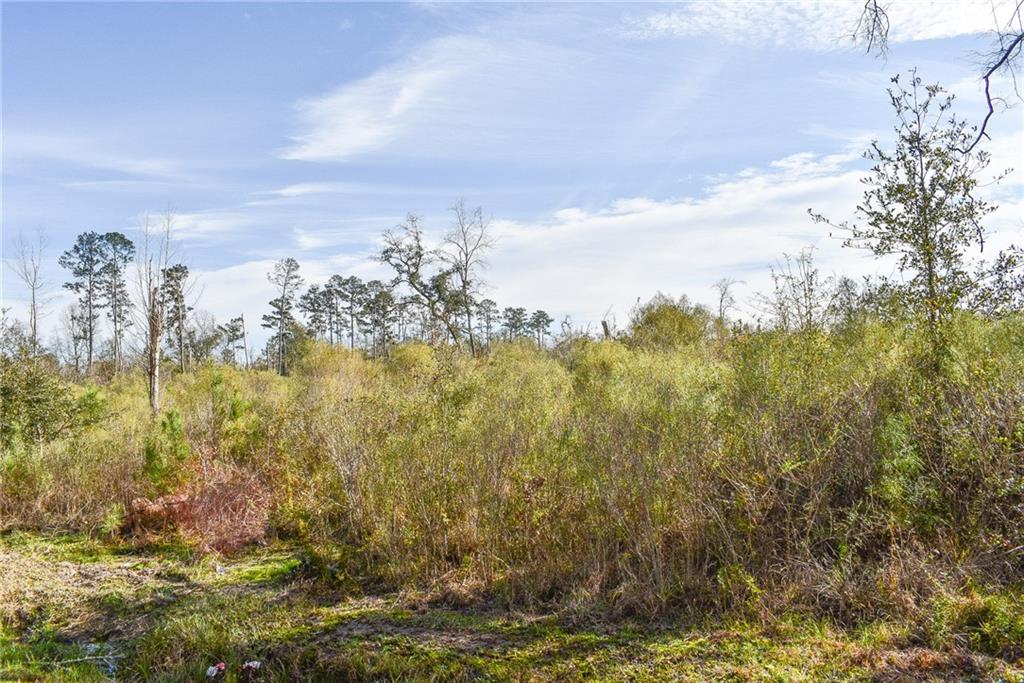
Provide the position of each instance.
(620, 149)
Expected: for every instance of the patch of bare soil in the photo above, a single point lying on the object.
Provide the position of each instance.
(446, 637)
(28, 583)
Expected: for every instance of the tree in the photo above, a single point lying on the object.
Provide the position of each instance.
(350, 293)
(726, 302)
(1005, 290)
(318, 306)
(233, 336)
(72, 347)
(118, 251)
(465, 250)
(85, 260)
(514, 321)
(176, 310)
(666, 323)
(405, 316)
(539, 324)
(285, 278)
(155, 254)
(202, 337)
(487, 314)
(27, 265)
(847, 306)
(230, 335)
(380, 311)
(920, 204)
(406, 253)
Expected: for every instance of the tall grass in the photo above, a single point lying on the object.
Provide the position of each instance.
(835, 473)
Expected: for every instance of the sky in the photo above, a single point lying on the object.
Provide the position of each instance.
(620, 149)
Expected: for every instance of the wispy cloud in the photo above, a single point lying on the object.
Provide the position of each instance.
(370, 113)
(504, 98)
(203, 227)
(821, 25)
(96, 154)
(331, 187)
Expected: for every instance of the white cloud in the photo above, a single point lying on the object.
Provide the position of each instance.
(342, 187)
(501, 98)
(88, 153)
(328, 187)
(820, 25)
(581, 263)
(203, 226)
(369, 113)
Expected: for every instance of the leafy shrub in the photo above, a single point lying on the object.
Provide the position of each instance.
(664, 323)
(36, 404)
(165, 453)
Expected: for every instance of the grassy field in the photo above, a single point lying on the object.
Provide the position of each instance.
(79, 609)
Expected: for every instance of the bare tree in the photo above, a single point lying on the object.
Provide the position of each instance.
(465, 251)
(245, 340)
(726, 303)
(70, 341)
(154, 256)
(27, 265)
(872, 29)
(726, 299)
(1004, 56)
(801, 298)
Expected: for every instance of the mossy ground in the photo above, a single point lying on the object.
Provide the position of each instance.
(75, 608)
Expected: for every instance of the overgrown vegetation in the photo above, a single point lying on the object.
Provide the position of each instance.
(827, 473)
(856, 460)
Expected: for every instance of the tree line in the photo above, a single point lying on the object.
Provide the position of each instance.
(435, 296)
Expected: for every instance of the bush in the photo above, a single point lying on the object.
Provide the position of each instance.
(36, 404)
(165, 453)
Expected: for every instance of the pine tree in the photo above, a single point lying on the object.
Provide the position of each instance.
(285, 278)
(85, 260)
(514, 321)
(487, 316)
(118, 251)
(176, 311)
(539, 324)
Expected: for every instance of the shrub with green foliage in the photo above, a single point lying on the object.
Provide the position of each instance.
(165, 453)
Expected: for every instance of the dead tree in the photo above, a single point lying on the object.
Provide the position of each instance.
(154, 257)
(27, 265)
(465, 251)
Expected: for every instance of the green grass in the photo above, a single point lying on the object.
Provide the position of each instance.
(71, 601)
(43, 656)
